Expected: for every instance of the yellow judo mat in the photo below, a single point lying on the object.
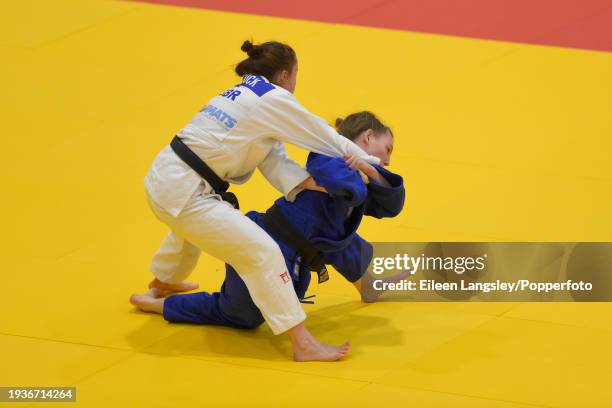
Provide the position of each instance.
(497, 141)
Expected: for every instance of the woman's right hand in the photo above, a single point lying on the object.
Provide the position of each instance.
(356, 162)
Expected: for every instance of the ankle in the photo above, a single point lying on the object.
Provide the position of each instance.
(301, 338)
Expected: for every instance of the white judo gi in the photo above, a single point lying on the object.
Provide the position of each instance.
(237, 131)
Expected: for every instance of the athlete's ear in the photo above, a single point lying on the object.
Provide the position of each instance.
(368, 135)
(281, 78)
(285, 75)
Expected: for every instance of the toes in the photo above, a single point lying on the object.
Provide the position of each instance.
(173, 287)
(187, 286)
(338, 356)
(138, 300)
(158, 293)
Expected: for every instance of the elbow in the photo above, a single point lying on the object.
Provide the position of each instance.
(394, 212)
(396, 207)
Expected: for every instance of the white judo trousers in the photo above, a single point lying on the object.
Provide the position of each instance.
(210, 224)
(238, 131)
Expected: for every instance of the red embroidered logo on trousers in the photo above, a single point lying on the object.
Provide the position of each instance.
(285, 277)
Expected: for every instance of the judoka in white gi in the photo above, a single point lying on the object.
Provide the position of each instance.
(237, 131)
(328, 221)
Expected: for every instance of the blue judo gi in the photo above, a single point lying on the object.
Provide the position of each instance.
(328, 221)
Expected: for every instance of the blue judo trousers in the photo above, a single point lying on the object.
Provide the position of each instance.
(329, 221)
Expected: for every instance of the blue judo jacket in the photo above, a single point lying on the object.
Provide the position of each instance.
(330, 221)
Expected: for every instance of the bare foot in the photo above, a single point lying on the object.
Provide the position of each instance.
(319, 351)
(173, 287)
(307, 348)
(158, 293)
(148, 303)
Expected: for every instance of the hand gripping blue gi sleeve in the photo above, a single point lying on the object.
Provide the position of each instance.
(337, 178)
(384, 201)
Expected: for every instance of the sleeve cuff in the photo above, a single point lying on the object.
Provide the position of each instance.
(373, 160)
(293, 192)
(290, 196)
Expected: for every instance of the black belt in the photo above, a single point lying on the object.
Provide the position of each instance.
(279, 226)
(192, 160)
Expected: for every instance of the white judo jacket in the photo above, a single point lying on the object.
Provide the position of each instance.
(242, 129)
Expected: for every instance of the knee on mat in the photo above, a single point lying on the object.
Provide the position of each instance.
(252, 322)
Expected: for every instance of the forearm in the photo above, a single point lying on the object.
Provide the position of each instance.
(348, 147)
(373, 174)
(283, 116)
(310, 184)
(368, 297)
(373, 295)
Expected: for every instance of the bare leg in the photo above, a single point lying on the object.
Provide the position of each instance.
(307, 348)
(183, 286)
(152, 301)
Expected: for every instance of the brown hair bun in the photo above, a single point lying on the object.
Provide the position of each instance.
(266, 59)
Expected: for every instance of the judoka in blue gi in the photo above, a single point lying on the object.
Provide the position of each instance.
(328, 221)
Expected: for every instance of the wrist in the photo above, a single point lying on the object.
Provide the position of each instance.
(370, 171)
